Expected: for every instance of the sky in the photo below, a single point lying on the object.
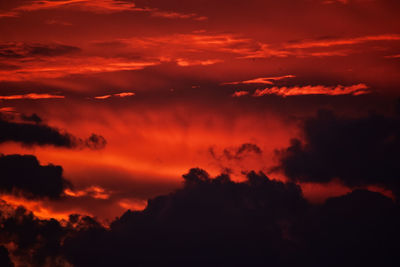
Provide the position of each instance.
(106, 104)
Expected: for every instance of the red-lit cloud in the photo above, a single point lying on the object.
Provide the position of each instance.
(123, 94)
(358, 89)
(31, 96)
(264, 80)
(98, 6)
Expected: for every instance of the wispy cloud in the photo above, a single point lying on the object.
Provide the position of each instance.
(358, 89)
(393, 56)
(188, 62)
(263, 80)
(31, 96)
(55, 67)
(98, 6)
(344, 41)
(240, 93)
(121, 95)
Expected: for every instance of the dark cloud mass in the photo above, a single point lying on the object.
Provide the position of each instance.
(358, 151)
(216, 222)
(37, 133)
(259, 222)
(5, 258)
(23, 175)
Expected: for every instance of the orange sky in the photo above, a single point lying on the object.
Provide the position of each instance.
(178, 84)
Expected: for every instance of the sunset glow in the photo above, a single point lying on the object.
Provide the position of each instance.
(146, 120)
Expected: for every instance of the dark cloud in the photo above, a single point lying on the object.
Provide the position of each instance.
(5, 258)
(258, 222)
(210, 222)
(359, 151)
(37, 133)
(357, 229)
(236, 153)
(33, 118)
(217, 222)
(23, 175)
(36, 242)
(18, 50)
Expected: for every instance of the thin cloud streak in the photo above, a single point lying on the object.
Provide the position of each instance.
(263, 80)
(358, 89)
(99, 6)
(121, 95)
(31, 96)
(348, 41)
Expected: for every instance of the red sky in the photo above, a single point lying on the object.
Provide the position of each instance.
(178, 84)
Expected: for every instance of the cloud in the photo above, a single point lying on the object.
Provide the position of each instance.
(257, 222)
(214, 220)
(237, 153)
(358, 89)
(263, 80)
(20, 50)
(23, 174)
(121, 95)
(31, 96)
(37, 133)
(393, 56)
(360, 151)
(34, 242)
(98, 6)
(56, 67)
(208, 217)
(5, 257)
(240, 93)
(344, 41)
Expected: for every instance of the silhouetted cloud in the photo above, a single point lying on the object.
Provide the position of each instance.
(258, 222)
(23, 175)
(35, 242)
(358, 151)
(41, 134)
(5, 258)
(217, 222)
(237, 153)
(211, 221)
